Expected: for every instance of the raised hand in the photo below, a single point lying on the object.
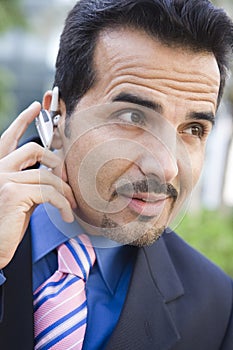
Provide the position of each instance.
(22, 190)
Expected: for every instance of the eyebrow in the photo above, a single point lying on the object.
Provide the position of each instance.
(209, 116)
(131, 98)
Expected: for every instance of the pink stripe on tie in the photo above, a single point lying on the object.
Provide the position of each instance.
(68, 263)
(67, 344)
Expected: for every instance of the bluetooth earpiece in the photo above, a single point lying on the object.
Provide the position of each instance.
(56, 119)
(46, 121)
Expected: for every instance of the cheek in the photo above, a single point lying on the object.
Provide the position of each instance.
(94, 165)
(190, 170)
(74, 151)
(72, 162)
(197, 161)
(109, 173)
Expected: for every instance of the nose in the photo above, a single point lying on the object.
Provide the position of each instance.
(159, 157)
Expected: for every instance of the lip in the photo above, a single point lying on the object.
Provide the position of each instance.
(147, 204)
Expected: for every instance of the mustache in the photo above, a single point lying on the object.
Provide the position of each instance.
(146, 186)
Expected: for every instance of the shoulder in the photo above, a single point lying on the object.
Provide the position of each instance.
(208, 291)
(191, 264)
(186, 258)
(202, 279)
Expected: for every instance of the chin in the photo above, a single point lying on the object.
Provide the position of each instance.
(137, 233)
(150, 237)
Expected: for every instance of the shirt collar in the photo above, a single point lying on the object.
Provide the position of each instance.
(49, 231)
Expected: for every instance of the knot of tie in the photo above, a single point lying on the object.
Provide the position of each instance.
(76, 257)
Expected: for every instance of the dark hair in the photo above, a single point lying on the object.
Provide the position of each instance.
(195, 24)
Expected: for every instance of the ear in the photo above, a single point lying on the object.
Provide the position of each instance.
(47, 99)
(58, 130)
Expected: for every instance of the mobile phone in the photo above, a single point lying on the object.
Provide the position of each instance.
(46, 121)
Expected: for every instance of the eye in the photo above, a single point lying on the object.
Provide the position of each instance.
(197, 130)
(130, 117)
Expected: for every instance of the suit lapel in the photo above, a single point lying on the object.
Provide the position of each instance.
(145, 322)
(16, 330)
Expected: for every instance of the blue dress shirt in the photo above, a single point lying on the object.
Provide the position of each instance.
(109, 279)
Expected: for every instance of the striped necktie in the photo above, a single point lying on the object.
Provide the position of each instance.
(60, 306)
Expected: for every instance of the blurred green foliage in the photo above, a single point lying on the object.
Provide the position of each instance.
(11, 15)
(211, 233)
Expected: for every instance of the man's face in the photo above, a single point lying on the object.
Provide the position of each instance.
(137, 138)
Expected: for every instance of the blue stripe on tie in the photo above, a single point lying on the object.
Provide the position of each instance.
(50, 284)
(52, 295)
(79, 262)
(63, 335)
(85, 251)
(60, 321)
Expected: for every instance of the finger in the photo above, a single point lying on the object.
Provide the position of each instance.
(41, 177)
(10, 138)
(22, 198)
(61, 171)
(28, 155)
(48, 194)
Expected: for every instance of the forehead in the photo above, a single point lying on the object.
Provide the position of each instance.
(131, 59)
(118, 46)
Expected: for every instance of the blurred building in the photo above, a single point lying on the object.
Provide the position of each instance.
(217, 186)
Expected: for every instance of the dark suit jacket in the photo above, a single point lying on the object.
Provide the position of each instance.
(177, 300)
